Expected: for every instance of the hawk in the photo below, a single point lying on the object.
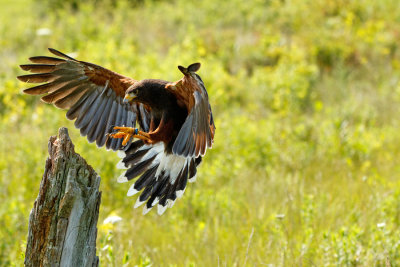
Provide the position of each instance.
(174, 119)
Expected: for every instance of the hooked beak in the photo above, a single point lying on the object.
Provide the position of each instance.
(128, 98)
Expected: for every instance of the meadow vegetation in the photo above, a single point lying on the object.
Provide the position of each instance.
(306, 161)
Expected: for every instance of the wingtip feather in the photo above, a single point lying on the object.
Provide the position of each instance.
(60, 54)
(24, 67)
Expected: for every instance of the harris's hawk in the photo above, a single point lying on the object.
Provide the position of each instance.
(175, 122)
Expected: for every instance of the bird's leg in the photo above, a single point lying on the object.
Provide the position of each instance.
(144, 134)
(127, 133)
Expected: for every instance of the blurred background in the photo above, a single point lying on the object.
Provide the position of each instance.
(305, 94)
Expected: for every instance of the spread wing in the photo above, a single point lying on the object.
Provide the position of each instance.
(197, 132)
(92, 95)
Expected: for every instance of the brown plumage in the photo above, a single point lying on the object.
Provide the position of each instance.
(175, 120)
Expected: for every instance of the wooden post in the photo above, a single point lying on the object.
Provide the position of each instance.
(62, 223)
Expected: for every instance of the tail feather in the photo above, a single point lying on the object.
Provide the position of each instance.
(139, 168)
(162, 176)
(183, 178)
(158, 192)
(145, 179)
(149, 190)
(133, 147)
(132, 159)
(192, 169)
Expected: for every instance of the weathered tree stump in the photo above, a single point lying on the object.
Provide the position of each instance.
(63, 221)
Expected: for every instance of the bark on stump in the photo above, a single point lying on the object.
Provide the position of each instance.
(63, 221)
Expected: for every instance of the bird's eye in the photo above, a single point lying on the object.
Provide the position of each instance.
(135, 91)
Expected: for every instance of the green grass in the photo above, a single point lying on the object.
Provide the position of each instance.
(306, 161)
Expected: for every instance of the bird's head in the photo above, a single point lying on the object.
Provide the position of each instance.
(134, 94)
(144, 91)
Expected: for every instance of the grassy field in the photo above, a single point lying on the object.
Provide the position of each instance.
(306, 98)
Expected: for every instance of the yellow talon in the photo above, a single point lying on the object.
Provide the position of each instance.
(124, 132)
(127, 133)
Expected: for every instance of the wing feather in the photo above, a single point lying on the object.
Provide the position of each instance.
(82, 118)
(92, 125)
(38, 68)
(62, 92)
(73, 112)
(69, 100)
(101, 125)
(43, 88)
(197, 132)
(91, 94)
(46, 60)
(191, 139)
(37, 78)
(110, 120)
(118, 121)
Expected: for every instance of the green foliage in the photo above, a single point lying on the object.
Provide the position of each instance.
(305, 96)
